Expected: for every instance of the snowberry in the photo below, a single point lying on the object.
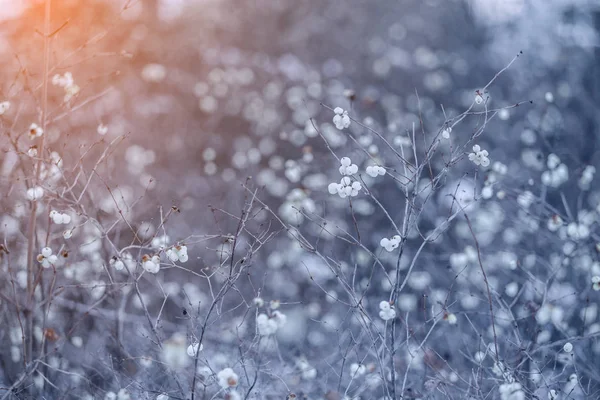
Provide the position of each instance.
(177, 253)
(151, 265)
(308, 371)
(4, 106)
(341, 118)
(68, 234)
(258, 302)
(59, 218)
(347, 168)
(557, 173)
(375, 171)
(269, 325)
(123, 394)
(194, 348)
(227, 378)
(67, 83)
(345, 188)
(511, 391)
(117, 264)
(596, 283)
(479, 157)
(46, 251)
(386, 311)
(265, 325)
(102, 129)
(46, 258)
(390, 244)
(35, 193)
(35, 131)
(568, 347)
(446, 132)
(479, 97)
(451, 318)
(554, 223)
(357, 369)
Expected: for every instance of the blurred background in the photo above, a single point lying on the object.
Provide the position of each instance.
(211, 92)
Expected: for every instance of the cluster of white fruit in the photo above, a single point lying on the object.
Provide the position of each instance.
(341, 118)
(66, 82)
(346, 187)
(375, 171)
(386, 311)
(46, 258)
(390, 244)
(177, 253)
(269, 325)
(151, 264)
(60, 218)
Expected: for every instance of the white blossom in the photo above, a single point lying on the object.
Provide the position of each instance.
(341, 118)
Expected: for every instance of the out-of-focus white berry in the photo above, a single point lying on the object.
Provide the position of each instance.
(4, 106)
(375, 171)
(451, 318)
(35, 193)
(227, 378)
(568, 347)
(446, 132)
(102, 129)
(193, 349)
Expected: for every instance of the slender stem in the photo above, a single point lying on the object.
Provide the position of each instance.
(31, 236)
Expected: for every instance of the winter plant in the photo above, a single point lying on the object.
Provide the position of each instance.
(266, 227)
